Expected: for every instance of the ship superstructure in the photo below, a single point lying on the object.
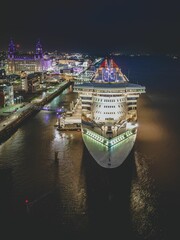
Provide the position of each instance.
(109, 114)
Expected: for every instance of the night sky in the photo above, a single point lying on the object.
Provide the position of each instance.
(92, 26)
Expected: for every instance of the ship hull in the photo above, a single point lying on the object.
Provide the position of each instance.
(105, 156)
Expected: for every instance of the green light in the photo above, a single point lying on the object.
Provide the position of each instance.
(104, 141)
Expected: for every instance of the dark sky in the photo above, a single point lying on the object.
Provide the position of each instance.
(92, 26)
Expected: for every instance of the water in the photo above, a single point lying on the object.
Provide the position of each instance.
(73, 197)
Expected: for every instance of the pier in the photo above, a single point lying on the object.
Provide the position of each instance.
(71, 120)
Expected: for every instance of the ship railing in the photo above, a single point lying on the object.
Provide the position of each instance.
(109, 142)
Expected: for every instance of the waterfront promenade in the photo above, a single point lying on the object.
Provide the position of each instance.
(18, 113)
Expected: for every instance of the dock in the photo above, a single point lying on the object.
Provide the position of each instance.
(71, 120)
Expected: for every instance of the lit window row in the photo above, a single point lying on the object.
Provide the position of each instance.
(97, 137)
(109, 106)
(109, 100)
(109, 112)
(121, 137)
(120, 100)
(113, 100)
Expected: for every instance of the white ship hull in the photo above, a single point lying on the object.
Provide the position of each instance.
(108, 156)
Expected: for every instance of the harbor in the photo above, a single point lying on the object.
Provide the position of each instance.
(89, 120)
(72, 196)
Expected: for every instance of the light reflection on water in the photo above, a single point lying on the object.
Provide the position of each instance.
(155, 185)
(56, 189)
(75, 195)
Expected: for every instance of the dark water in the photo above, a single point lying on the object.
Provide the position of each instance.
(74, 198)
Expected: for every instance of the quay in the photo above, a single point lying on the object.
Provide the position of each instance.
(11, 124)
(71, 120)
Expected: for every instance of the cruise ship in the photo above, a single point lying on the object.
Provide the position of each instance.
(109, 114)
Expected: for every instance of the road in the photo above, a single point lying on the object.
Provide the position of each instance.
(25, 107)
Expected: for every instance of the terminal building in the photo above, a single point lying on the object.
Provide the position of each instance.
(6, 94)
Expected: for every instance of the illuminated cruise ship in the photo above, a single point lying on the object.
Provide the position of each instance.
(109, 114)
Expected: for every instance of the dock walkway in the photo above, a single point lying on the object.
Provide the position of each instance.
(72, 120)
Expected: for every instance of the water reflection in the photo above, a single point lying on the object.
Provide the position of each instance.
(144, 200)
(74, 196)
(155, 185)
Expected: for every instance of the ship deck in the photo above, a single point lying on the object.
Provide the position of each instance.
(109, 157)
